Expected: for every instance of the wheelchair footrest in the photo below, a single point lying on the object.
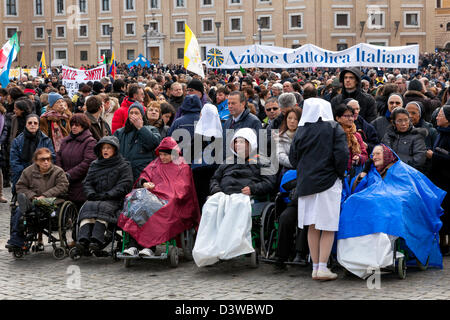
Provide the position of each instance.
(163, 256)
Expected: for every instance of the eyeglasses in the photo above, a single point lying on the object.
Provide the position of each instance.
(32, 123)
(272, 109)
(45, 159)
(395, 102)
(190, 90)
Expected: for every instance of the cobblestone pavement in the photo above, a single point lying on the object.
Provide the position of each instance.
(40, 276)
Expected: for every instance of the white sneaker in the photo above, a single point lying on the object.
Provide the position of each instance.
(326, 275)
(314, 275)
(147, 252)
(132, 251)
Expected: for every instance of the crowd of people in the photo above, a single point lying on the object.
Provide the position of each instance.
(93, 148)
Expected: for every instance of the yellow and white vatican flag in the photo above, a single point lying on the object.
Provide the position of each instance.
(192, 57)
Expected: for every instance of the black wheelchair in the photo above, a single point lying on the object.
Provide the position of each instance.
(55, 221)
(113, 237)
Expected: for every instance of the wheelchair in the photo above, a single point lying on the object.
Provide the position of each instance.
(168, 251)
(269, 231)
(54, 221)
(112, 235)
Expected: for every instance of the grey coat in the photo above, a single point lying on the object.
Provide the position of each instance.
(409, 146)
(381, 124)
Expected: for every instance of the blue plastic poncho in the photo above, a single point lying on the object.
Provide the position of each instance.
(405, 204)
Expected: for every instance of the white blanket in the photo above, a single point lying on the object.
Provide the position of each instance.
(361, 255)
(225, 229)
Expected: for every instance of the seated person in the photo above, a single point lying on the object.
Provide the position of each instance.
(390, 199)
(174, 207)
(108, 181)
(244, 175)
(39, 181)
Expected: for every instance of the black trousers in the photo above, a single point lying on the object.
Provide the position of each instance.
(202, 178)
(286, 233)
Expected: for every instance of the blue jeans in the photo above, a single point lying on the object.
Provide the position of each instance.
(16, 235)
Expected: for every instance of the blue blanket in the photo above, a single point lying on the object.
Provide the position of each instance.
(405, 204)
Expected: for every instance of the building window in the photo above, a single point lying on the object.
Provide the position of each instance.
(376, 20)
(82, 6)
(60, 31)
(83, 55)
(206, 3)
(234, 2)
(179, 26)
(39, 56)
(341, 20)
(130, 29)
(342, 46)
(129, 5)
(382, 43)
(295, 46)
(438, 4)
(180, 3)
(207, 25)
(236, 24)
(10, 32)
(154, 4)
(296, 21)
(60, 7)
(106, 5)
(266, 22)
(11, 7)
(130, 54)
(39, 33)
(411, 19)
(180, 53)
(105, 29)
(38, 8)
(83, 31)
(105, 52)
(448, 26)
(154, 26)
(61, 54)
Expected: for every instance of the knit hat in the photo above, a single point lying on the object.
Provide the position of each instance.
(196, 85)
(415, 85)
(446, 109)
(53, 97)
(139, 106)
(380, 73)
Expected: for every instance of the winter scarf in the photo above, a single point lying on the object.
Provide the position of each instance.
(352, 142)
(30, 144)
(388, 158)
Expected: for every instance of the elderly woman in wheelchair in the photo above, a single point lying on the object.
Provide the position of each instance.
(224, 231)
(41, 183)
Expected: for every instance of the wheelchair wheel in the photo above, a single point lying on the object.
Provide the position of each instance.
(18, 254)
(401, 268)
(268, 231)
(67, 221)
(187, 241)
(173, 257)
(254, 261)
(127, 263)
(59, 253)
(75, 254)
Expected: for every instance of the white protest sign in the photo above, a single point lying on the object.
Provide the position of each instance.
(309, 56)
(71, 78)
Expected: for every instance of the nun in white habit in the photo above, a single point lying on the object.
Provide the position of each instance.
(319, 151)
(207, 150)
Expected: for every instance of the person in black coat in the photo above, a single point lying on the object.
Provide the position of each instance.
(405, 140)
(351, 88)
(440, 169)
(108, 181)
(244, 174)
(320, 154)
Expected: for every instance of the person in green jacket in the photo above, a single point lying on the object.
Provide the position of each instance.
(138, 140)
